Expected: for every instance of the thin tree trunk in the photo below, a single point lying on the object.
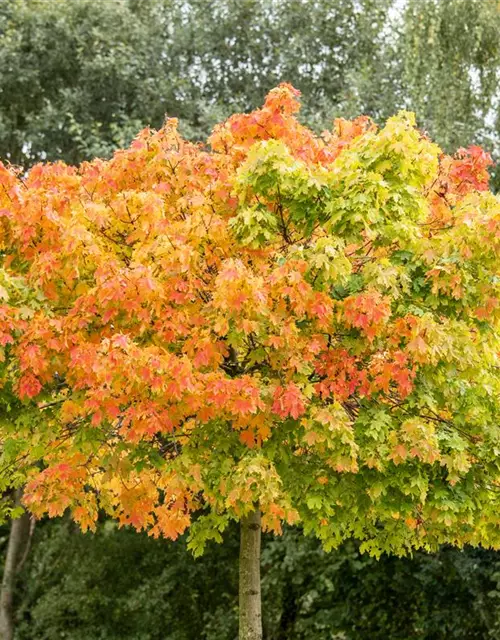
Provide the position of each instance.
(20, 534)
(250, 599)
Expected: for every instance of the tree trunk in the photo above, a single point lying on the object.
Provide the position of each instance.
(250, 600)
(20, 533)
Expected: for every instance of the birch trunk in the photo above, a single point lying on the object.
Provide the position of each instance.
(17, 545)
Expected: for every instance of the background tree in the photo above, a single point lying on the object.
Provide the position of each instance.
(79, 79)
(450, 69)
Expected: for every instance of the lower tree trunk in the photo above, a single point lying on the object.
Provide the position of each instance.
(17, 547)
(250, 599)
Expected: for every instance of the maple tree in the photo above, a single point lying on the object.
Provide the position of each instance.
(276, 327)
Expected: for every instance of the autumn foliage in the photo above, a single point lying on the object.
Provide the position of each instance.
(307, 323)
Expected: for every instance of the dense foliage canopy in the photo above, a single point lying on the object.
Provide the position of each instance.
(304, 323)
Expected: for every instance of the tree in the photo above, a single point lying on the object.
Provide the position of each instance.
(17, 550)
(450, 57)
(279, 328)
(78, 80)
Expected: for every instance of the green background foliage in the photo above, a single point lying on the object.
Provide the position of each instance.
(119, 584)
(79, 78)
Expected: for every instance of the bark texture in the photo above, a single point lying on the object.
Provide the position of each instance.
(250, 598)
(17, 547)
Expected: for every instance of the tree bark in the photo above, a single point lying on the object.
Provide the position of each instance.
(20, 534)
(250, 598)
